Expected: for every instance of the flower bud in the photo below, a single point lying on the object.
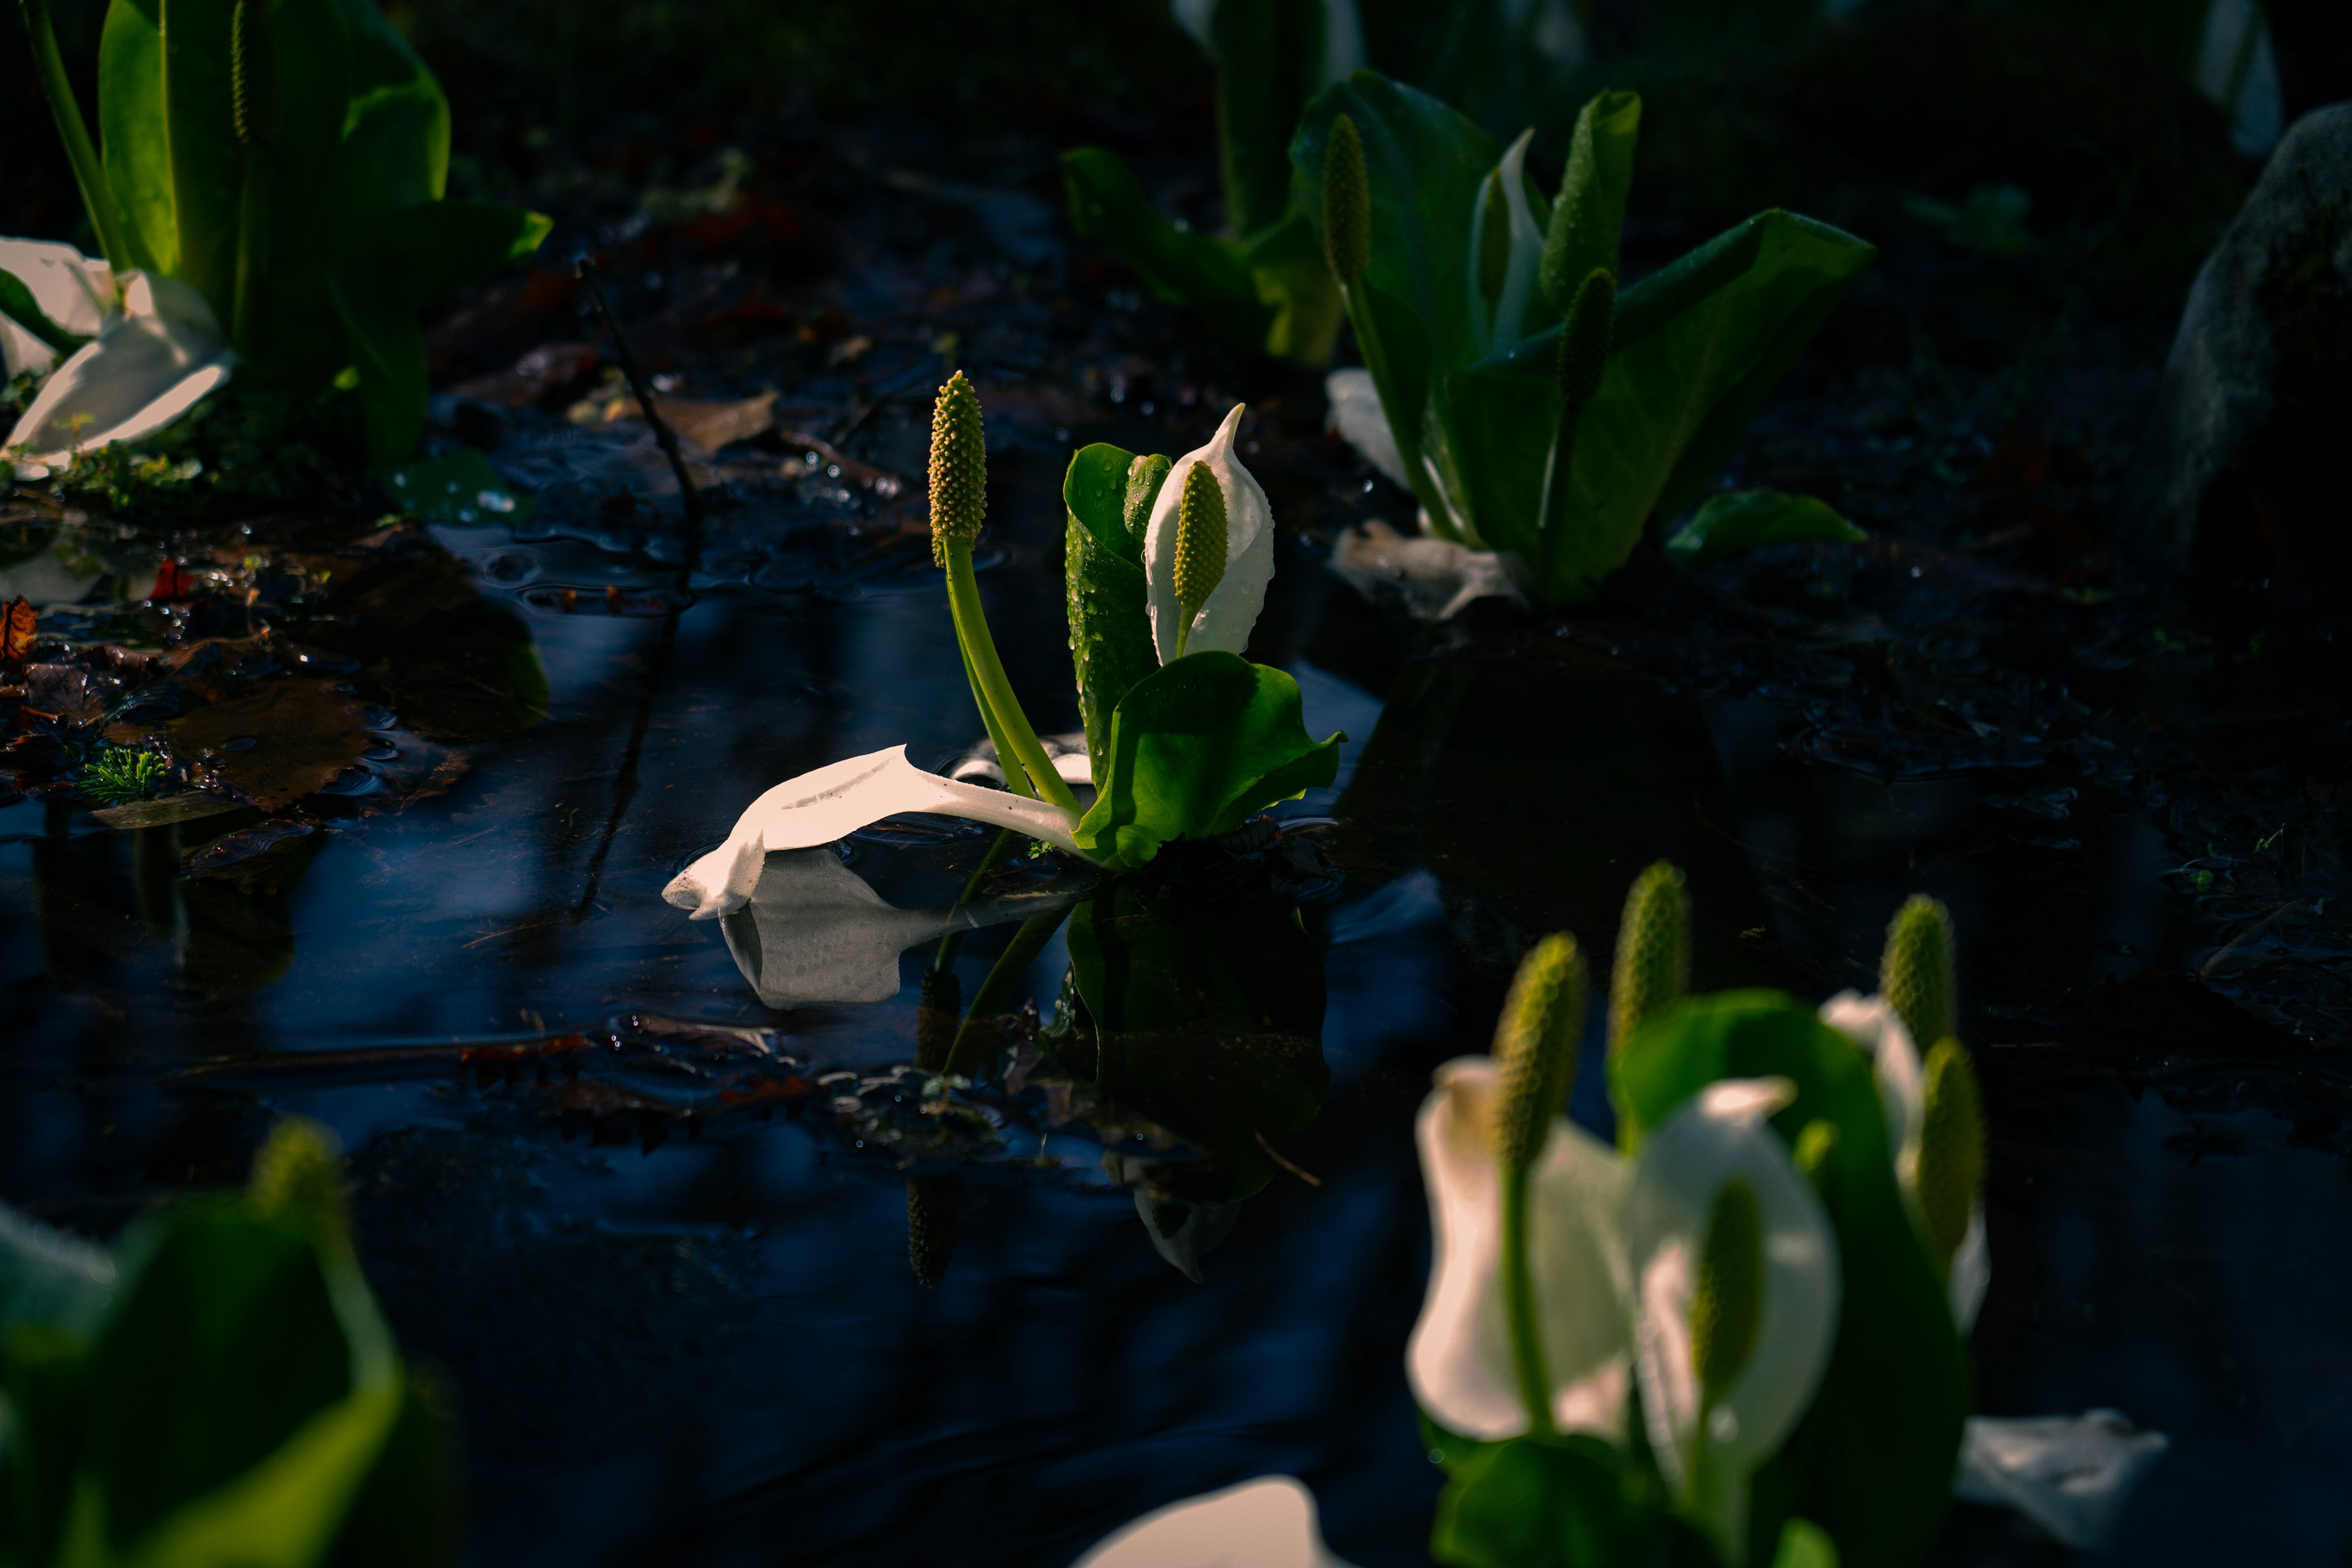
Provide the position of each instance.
(958, 467)
(1144, 478)
(1494, 241)
(1584, 341)
(1916, 975)
(252, 74)
(1200, 544)
(1653, 967)
(1535, 1048)
(934, 1214)
(298, 1175)
(1728, 1302)
(1347, 203)
(1952, 1149)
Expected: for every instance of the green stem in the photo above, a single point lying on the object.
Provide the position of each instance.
(1011, 965)
(1407, 433)
(252, 249)
(89, 173)
(1016, 777)
(988, 673)
(1519, 1305)
(1551, 529)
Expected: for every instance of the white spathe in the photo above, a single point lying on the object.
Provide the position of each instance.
(2069, 1474)
(1508, 324)
(1223, 622)
(1459, 1358)
(1266, 1524)
(71, 289)
(821, 807)
(1718, 1135)
(1358, 416)
(1872, 1023)
(151, 360)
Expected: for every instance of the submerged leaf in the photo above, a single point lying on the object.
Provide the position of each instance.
(279, 744)
(1748, 520)
(1195, 748)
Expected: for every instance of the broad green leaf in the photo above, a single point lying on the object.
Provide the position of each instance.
(1574, 1501)
(1196, 747)
(1287, 265)
(170, 149)
(1738, 521)
(1269, 57)
(1111, 626)
(408, 1512)
(1805, 1544)
(16, 303)
(1884, 1431)
(1207, 1019)
(1178, 266)
(1591, 212)
(393, 268)
(44, 1370)
(1703, 343)
(1424, 162)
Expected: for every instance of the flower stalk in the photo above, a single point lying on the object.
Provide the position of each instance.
(89, 174)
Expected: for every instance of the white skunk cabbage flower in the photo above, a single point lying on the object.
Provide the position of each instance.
(2069, 1474)
(1762, 1326)
(1872, 1023)
(821, 807)
(1266, 1524)
(1223, 623)
(1459, 1358)
(72, 289)
(1503, 318)
(152, 356)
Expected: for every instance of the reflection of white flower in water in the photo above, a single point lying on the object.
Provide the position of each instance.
(816, 933)
(1716, 1412)
(1871, 1022)
(1266, 1524)
(1223, 621)
(1459, 1357)
(151, 358)
(821, 807)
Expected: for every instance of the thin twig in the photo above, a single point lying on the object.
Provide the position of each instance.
(1276, 1155)
(689, 499)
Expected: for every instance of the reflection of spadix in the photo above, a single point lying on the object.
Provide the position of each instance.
(814, 933)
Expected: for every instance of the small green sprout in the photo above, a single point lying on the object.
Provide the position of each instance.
(119, 774)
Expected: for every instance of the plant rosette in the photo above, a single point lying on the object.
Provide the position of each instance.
(1186, 739)
(135, 357)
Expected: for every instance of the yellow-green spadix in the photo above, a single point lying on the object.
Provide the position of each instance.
(1222, 622)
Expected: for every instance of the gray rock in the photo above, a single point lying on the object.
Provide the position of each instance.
(2218, 386)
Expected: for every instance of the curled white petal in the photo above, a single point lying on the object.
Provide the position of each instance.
(1872, 1023)
(814, 933)
(1721, 1134)
(147, 366)
(1223, 622)
(1971, 1273)
(1458, 1360)
(2069, 1474)
(1266, 1524)
(71, 289)
(1508, 322)
(821, 807)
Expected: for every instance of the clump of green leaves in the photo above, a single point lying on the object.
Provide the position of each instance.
(119, 774)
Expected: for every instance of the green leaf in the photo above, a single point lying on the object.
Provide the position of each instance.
(1701, 343)
(459, 487)
(1576, 1502)
(393, 268)
(1884, 1430)
(1196, 747)
(1178, 266)
(1287, 267)
(1110, 623)
(1737, 521)
(1269, 56)
(16, 303)
(1208, 1020)
(171, 150)
(1805, 1544)
(1591, 212)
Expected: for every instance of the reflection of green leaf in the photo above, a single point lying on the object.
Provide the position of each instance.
(1701, 344)
(1748, 520)
(1196, 747)
(459, 487)
(1881, 1440)
(1111, 626)
(16, 303)
(1207, 1020)
(1572, 1500)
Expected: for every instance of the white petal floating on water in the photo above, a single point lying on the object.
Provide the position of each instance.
(1266, 1524)
(1459, 1357)
(1223, 622)
(146, 367)
(1719, 1136)
(71, 289)
(814, 933)
(1356, 414)
(2069, 1474)
(821, 807)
